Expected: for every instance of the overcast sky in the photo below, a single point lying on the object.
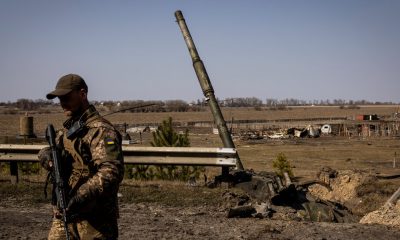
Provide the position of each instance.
(131, 50)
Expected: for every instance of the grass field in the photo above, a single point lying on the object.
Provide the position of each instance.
(307, 155)
(9, 123)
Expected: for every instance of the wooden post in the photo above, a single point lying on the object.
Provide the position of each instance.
(394, 160)
(13, 166)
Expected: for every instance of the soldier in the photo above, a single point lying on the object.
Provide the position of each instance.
(92, 164)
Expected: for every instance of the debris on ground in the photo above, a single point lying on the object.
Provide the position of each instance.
(266, 195)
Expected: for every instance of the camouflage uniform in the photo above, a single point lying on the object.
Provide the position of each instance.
(93, 162)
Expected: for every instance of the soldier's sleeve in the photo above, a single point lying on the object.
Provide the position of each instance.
(107, 160)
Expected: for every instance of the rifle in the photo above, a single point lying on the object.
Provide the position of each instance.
(131, 108)
(59, 184)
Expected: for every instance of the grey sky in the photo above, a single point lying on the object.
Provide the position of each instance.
(129, 50)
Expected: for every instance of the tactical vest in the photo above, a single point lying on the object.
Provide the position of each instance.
(78, 150)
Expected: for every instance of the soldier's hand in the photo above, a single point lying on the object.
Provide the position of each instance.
(75, 204)
(56, 212)
(45, 158)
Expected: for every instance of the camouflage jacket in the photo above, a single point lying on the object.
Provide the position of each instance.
(94, 164)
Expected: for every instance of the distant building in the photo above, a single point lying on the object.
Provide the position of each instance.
(367, 117)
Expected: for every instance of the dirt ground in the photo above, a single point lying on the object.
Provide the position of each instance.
(149, 212)
(159, 211)
(148, 221)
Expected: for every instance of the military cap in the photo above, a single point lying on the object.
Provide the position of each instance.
(66, 84)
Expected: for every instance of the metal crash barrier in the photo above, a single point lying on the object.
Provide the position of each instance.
(196, 156)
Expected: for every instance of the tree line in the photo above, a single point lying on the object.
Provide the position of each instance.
(198, 105)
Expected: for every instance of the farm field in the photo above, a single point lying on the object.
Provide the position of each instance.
(9, 123)
(373, 153)
(163, 210)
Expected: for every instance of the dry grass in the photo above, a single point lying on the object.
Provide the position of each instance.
(171, 193)
(307, 155)
(175, 194)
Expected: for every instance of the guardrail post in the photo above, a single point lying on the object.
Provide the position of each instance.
(14, 172)
(225, 172)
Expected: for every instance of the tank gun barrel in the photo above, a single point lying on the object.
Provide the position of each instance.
(206, 86)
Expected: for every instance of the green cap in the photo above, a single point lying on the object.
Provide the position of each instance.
(66, 84)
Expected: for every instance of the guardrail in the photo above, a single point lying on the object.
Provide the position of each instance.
(196, 156)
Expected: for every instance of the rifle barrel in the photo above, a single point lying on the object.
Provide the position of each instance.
(59, 181)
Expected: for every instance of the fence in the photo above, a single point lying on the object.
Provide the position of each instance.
(196, 156)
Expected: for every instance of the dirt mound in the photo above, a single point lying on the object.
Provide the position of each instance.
(344, 184)
(359, 191)
(386, 215)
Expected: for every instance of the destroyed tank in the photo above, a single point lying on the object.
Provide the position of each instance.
(261, 194)
(267, 195)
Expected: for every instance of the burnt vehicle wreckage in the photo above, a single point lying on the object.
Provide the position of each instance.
(263, 194)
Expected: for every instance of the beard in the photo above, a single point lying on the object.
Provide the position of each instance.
(73, 113)
(68, 113)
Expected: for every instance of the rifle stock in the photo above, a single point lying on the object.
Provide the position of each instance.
(59, 184)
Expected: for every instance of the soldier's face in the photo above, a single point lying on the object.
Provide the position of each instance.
(72, 102)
